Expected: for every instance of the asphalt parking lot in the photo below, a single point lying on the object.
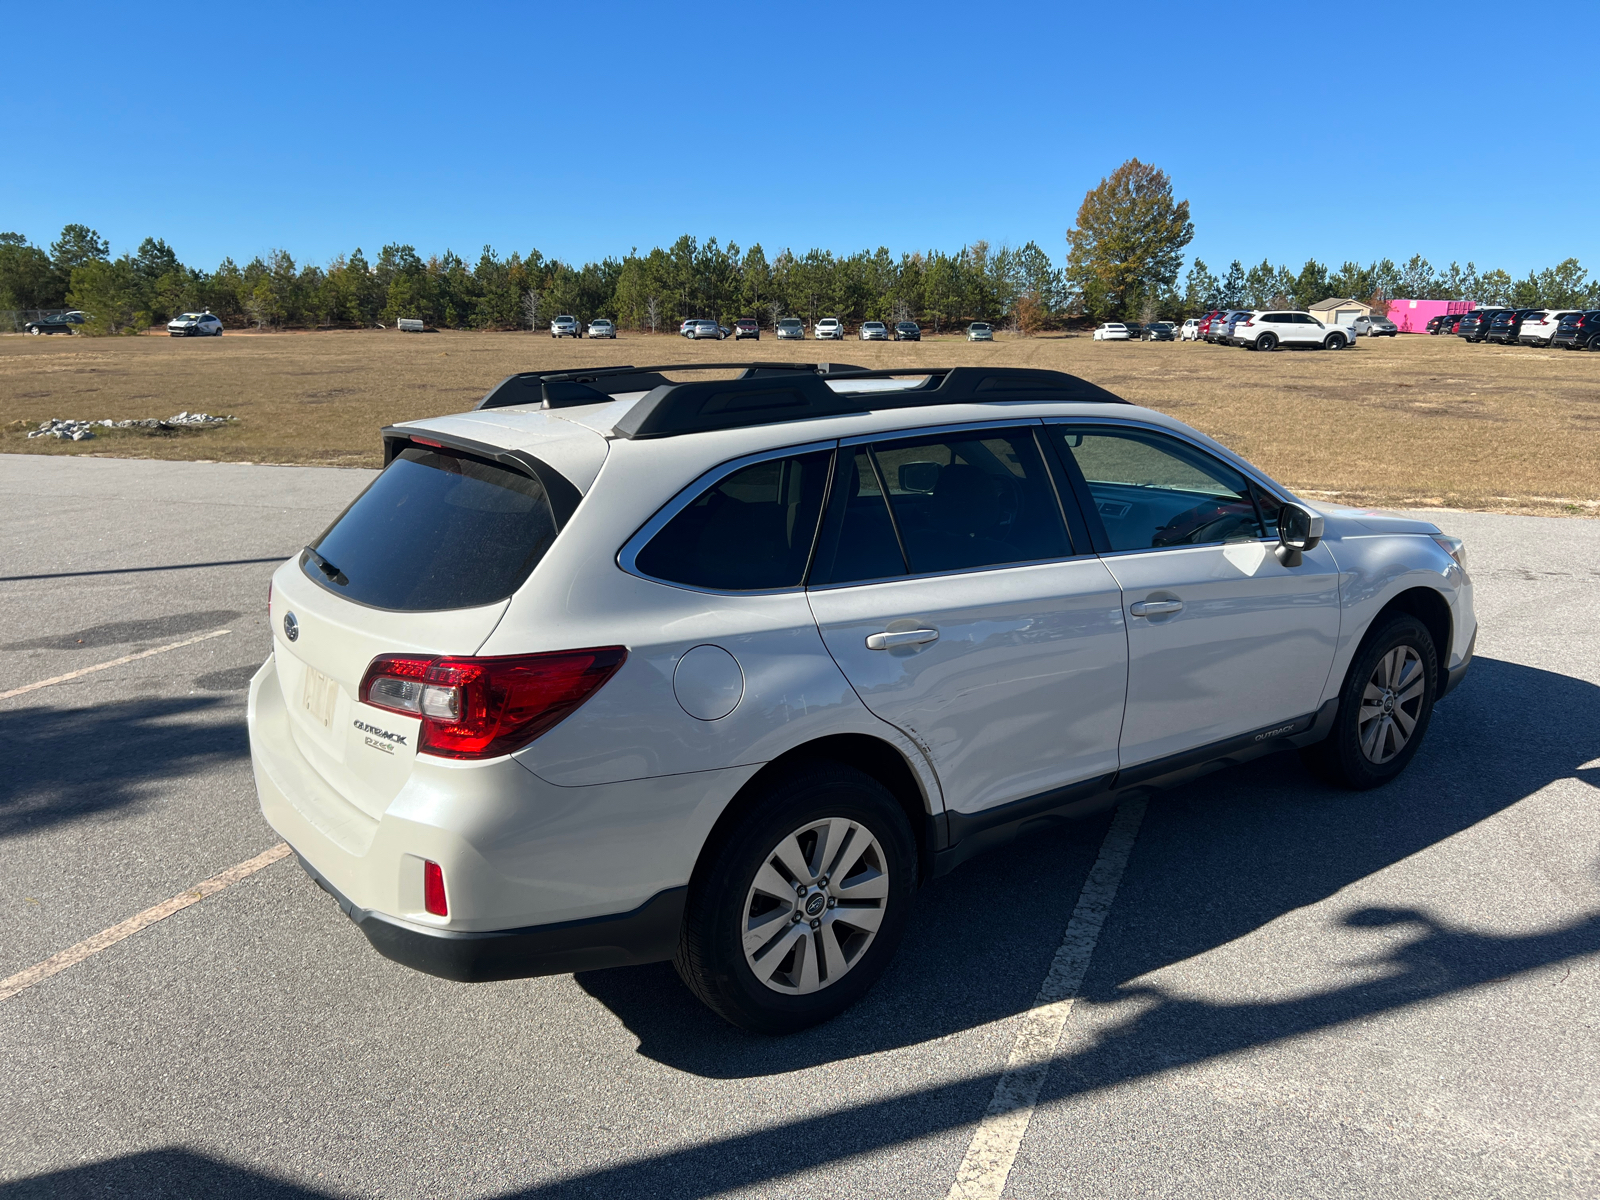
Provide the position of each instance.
(1297, 991)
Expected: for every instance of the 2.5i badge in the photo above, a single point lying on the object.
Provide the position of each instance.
(380, 739)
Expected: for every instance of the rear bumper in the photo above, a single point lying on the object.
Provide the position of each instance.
(540, 879)
(647, 934)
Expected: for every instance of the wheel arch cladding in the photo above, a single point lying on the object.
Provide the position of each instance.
(869, 755)
(1427, 606)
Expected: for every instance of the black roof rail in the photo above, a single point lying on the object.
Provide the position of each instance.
(596, 385)
(770, 397)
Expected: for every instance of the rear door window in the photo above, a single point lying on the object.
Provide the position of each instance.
(968, 500)
(752, 530)
(436, 530)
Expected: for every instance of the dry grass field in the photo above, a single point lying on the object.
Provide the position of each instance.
(1409, 422)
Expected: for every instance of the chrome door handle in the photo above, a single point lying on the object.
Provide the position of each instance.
(904, 637)
(1155, 608)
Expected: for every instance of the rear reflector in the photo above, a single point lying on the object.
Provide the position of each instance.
(486, 707)
(433, 890)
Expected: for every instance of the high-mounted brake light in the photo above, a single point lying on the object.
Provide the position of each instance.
(486, 707)
(422, 441)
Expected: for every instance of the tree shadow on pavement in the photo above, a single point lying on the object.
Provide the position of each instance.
(63, 764)
(1216, 860)
(170, 1174)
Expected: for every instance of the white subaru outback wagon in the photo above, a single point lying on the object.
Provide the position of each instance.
(625, 666)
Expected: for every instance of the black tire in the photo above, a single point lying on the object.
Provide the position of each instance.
(1267, 341)
(1335, 342)
(711, 958)
(1341, 758)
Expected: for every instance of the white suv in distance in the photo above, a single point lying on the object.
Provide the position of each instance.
(1269, 330)
(565, 326)
(1190, 331)
(829, 329)
(620, 669)
(1538, 328)
(1111, 331)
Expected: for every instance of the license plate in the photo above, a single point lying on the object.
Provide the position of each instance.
(319, 695)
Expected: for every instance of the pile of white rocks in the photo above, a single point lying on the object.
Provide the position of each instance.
(78, 431)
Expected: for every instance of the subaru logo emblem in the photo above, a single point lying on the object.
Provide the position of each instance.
(291, 627)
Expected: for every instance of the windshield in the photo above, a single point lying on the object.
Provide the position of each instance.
(191, 316)
(436, 530)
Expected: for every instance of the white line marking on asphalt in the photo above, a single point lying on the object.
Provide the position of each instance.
(73, 955)
(115, 662)
(982, 1174)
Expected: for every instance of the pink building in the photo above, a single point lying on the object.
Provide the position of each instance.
(1412, 316)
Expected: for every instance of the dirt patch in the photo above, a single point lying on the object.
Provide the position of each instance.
(1405, 421)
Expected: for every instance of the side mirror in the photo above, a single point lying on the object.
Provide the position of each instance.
(1299, 530)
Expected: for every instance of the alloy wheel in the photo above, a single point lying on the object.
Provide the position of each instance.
(815, 906)
(1391, 704)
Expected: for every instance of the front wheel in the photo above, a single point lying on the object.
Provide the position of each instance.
(1384, 707)
(794, 912)
(1335, 342)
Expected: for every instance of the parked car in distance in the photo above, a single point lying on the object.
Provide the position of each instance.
(1474, 326)
(565, 326)
(1158, 331)
(1374, 326)
(873, 331)
(1578, 330)
(1539, 327)
(702, 329)
(1111, 331)
(1222, 331)
(980, 331)
(1438, 325)
(688, 324)
(1190, 331)
(791, 329)
(66, 322)
(1506, 326)
(1269, 330)
(744, 758)
(746, 327)
(907, 331)
(200, 324)
(1211, 324)
(601, 327)
(829, 329)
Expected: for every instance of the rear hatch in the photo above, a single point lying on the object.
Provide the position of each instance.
(423, 562)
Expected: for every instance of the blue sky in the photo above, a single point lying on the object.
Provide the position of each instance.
(583, 129)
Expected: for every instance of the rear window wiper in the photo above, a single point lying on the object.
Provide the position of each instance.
(327, 568)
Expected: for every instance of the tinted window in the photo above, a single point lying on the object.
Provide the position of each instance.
(975, 500)
(436, 530)
(1155, 491)
(859, 542)
(750, 531)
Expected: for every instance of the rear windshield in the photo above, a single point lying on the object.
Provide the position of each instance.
(437, 530)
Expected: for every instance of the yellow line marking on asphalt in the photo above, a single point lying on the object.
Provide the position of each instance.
(73, 955)
(115, 662)
(983, 1172)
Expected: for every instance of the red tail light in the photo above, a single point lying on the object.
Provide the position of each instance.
(486, 707)
(433, 889)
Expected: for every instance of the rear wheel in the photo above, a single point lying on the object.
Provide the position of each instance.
(1384, 707)
(795, 912)
(1267, 341)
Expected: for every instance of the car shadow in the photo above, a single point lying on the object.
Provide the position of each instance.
(67, 763)
(1215, 860)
